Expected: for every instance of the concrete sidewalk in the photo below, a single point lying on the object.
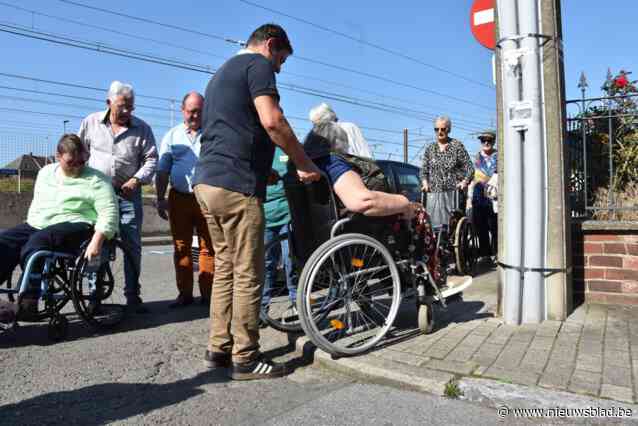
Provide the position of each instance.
(593, 353)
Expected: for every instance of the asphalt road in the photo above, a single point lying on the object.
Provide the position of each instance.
(150, 371)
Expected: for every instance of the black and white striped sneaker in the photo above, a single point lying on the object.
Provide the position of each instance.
(261, 368)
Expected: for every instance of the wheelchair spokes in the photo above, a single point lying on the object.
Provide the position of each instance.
(349, 294)
(98, 294)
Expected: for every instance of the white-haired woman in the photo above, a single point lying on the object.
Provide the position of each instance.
(446, 167)
(356, 143)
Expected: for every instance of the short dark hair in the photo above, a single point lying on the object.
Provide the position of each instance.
(186, 96)
(70, 143)
(267, 31)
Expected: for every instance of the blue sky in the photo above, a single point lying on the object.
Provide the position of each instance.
(454, 77)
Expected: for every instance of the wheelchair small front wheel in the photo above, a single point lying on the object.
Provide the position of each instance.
(425, 317)
(349, 294)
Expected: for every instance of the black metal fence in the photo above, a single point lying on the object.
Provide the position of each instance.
(600, 134)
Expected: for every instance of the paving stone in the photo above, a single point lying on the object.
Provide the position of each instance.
(584, 387)
(560, 367)
(617, 359)
(586, 376)
(617, 376)
(403, 357)
(619, 393)
(534, 357)
(439, 352)
(483, 331)
(554, 380)
(570, 328)
(463, 368)
(487, 354)
(590, 363)
(547, 331)
(617, 345)
(512, 375)
(542, 341)
(590, 348)
(461, 354)
(510, 357)
(523, 337)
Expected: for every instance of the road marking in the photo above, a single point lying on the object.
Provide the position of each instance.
(483, 17)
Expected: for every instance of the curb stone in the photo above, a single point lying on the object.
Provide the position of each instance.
(380, 370)
(497, 394)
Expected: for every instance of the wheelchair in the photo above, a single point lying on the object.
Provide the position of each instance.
(457, 241)
(68, 277)
(354, 272)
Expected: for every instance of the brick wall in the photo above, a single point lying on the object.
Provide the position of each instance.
(606, 262)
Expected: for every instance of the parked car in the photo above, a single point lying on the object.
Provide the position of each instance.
(403, 178)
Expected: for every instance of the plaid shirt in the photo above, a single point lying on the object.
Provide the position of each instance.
(132, 153)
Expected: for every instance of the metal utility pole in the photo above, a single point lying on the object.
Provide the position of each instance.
(534, 251)
(64, 123)
(510, 193)
(405, 145)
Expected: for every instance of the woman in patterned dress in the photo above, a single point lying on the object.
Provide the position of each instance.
(446, 167)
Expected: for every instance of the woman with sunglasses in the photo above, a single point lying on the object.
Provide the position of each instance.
(446, 168)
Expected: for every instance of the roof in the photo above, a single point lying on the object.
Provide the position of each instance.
(29, 163)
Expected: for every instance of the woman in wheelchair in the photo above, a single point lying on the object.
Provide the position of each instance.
(72, 203)
(326, 145)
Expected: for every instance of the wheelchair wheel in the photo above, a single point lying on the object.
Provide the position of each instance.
(425, 317)
(98, 296)
(281, 312)
(465, 247)
(58, 293)
(349, 294)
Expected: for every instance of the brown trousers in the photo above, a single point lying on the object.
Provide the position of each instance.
(184, 214)
(236, 224)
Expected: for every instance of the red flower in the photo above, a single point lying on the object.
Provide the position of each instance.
(621, 81)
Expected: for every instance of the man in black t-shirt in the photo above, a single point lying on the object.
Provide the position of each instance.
(240, 122)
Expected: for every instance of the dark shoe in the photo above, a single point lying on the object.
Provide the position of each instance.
(134, 304)
(261, 368)
(216, 359)
(181, 302)
(28, 310)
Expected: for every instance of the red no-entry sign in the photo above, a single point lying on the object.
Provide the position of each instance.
(482, 22)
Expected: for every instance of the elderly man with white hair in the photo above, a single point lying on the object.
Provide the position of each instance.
(123, 147)
(357, 145)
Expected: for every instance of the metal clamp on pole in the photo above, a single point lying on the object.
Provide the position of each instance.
(520, 37)
(547, 271)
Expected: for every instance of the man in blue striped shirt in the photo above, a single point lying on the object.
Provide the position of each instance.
(178, 155)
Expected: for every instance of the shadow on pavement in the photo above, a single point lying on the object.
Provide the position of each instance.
(107, 402)
(159, 314)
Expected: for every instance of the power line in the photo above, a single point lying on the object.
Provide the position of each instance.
(165, 43)
(104, 48)
(374, 45)
(52, 114)
(241, 43)
(77, 86)
(50, 103)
